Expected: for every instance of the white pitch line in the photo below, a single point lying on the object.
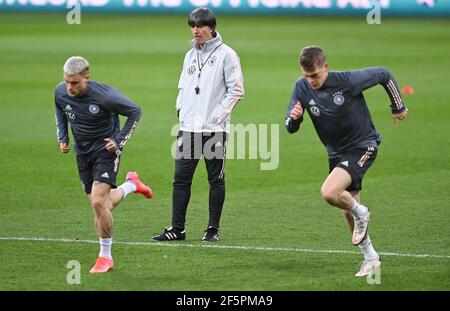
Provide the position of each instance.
(246, 248)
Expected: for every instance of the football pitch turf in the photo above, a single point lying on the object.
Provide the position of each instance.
(276, 231)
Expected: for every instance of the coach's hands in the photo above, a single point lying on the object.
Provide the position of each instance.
(399, 116)
(111, 145)
(63, 147)
(297, 111)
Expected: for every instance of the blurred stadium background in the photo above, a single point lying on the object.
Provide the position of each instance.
(277, 233)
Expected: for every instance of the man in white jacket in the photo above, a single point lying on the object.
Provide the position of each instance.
(210, 85)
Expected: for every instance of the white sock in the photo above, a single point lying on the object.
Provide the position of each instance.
(105, 248)
(368, 250)
(127, 187)
(358, 210)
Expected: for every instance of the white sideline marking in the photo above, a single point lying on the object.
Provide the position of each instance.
(247, 248)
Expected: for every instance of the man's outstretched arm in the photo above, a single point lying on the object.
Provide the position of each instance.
(363, 79)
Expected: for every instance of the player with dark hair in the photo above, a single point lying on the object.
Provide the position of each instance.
(339, 113)
(209, 88)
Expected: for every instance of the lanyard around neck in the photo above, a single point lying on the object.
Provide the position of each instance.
(200, 67)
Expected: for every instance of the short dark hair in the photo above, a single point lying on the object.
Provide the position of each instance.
(311, 56)
(203, 17)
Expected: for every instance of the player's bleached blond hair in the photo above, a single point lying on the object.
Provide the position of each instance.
(76, 65)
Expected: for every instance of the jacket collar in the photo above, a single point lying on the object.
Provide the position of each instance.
(209, 45)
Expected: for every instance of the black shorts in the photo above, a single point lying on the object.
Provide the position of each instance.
(356, 162)
(101, 166)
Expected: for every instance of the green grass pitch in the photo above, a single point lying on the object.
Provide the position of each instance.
(276, 231)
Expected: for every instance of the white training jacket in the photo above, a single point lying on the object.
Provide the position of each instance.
(220, 86)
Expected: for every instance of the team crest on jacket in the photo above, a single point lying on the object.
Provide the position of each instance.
(93, 109)
(315, 111)
(212, 60)
(338, 98)
(191, 70)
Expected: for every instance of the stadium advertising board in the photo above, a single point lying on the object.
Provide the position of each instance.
(318, 7)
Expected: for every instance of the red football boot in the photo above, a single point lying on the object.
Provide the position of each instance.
(140, 186)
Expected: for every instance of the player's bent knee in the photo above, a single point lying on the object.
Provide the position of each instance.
(329, 195)
(98, 204)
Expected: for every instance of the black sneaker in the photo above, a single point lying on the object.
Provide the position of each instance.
(211, 235)
(170, 234)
